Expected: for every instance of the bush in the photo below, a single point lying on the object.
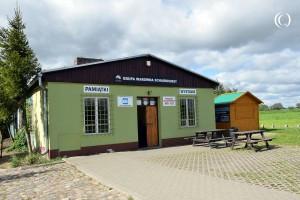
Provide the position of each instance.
(16, 161)
(20, 142)
(31, 159)
(34, 158)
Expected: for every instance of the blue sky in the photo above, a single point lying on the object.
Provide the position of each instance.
(235, 42)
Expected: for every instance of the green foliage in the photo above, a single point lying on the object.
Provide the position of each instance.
(276, 106)
(263, 107)
(221, 89)
(16, 161)
(18, 62)
(130, 198)
(31, 159)
(34, 158)
(283, 135)
(297, 105)
(18, 66)
(20, 142)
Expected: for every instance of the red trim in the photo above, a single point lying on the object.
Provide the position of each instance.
(131, 146)
(169, 142)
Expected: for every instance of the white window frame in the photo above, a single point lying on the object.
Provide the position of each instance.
(187, 111)
(96, 115)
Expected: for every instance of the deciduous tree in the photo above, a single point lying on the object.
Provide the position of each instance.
(221, 89)
(263, 107)
(276, 106)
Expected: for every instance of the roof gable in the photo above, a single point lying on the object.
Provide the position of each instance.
(106, 72)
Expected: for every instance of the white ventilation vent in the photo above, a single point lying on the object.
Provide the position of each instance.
(148, 63)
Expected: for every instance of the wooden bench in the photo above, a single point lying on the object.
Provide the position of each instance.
(249, 140)
(225, 139)
(255, 141)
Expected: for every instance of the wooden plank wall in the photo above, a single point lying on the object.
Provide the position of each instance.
(244, 114)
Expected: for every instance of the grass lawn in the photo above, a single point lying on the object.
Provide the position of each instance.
(284, 136)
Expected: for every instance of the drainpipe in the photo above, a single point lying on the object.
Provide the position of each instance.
(44, 91)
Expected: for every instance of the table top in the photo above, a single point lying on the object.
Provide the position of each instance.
(247, 132)
(212, 130)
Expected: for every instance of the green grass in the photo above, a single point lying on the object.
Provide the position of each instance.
(283, 135)
(31, 159)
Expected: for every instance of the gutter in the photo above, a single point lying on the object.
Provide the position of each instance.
(44, 91)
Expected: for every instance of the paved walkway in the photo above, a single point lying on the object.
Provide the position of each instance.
(59, 181)
(175, 173)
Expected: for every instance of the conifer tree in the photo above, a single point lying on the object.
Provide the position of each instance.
(18, 65)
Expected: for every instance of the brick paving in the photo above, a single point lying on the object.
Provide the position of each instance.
(278, 168)
(58, 181)
(198, 173)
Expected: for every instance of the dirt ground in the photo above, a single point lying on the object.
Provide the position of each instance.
(6, 156)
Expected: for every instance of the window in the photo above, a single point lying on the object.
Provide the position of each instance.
(96, 115)
(187, 112)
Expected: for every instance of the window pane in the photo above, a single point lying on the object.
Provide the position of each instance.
(191, 112)
(183, 112)
(89, 115)
(187, 112)
(103, 115)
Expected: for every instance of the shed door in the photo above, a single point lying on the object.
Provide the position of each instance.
(151, 123)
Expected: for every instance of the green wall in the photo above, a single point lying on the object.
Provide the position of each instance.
(66, 120)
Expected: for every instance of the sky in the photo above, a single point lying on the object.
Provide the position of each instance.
(234, 42)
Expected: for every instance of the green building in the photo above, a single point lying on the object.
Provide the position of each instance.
(122, 104)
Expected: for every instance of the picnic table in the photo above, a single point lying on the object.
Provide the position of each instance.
(237, 137)
(209, 136)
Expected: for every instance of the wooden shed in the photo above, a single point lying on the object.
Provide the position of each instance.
(237, 109)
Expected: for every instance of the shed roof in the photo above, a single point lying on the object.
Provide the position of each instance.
(229, 98)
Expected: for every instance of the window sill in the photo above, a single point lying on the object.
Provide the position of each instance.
(88, 134)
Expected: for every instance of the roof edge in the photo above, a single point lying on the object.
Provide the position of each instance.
(130, 57)
(248, 93)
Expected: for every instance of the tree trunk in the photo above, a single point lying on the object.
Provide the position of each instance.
(15, 124)
(1, 144)
(10, 135)
(25, 125)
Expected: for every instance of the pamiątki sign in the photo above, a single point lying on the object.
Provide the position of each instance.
(134, 80)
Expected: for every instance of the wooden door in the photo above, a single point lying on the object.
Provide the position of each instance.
(151, 123)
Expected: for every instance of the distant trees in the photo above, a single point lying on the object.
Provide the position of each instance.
(221, 89)
(276, 106)
(263, 107)
(297, 105)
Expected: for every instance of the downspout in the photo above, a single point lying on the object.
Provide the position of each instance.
(44, 91)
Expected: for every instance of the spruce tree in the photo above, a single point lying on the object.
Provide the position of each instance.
(18, 65)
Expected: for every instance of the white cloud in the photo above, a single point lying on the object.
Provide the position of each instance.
(237, 40)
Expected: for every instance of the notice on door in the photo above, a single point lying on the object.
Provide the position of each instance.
(125, 101)
(169, 101)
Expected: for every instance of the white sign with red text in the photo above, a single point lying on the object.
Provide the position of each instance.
(169, 101)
